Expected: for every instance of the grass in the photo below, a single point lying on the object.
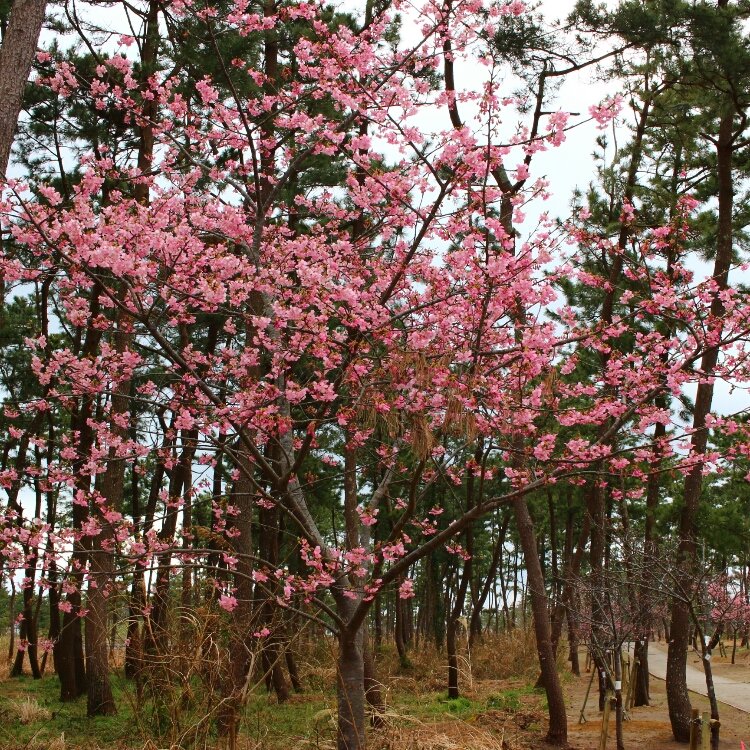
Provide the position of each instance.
(308, 718)
(32, 716)
(513, 699)
(418, 713)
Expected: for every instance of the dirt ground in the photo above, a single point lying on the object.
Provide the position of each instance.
(722, 665)
(648, 727)
(523, 727)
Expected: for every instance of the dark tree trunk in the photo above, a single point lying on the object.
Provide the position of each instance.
(641, 690)
(558, 721)
(179, 484)
(100, 701)
(378, 618)
(678, 698)
(272, 647)
(452, 652)
(398, 632)
(137, 640)
(351, 733)
(17, 668)
(575, 666)
(54, 612)
(291, 667)
(373, 691)
(241, 648)
(64, 665)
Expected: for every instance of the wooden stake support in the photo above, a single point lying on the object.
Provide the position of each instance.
(608, 701)
(582, 717)
(695, 728)
(706, 731)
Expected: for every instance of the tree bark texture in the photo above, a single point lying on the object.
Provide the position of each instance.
(16, 58)
(351, 733)
(558, 721)
(678, 698)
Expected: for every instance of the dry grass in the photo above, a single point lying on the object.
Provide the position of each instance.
(417, 717)
(456, 735)
(36, 743)
(28, 711)
(510, 655)
(507, 655)
(492, 730)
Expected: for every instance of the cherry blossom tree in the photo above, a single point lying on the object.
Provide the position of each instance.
(265, 323)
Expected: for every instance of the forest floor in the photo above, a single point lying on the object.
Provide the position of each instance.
(499, 710)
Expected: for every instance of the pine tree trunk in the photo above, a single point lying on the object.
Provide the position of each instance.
(558, 721)
(398, 633)
(450, 640)
(641, 695)
(678, 698)
(16, 57)
(100, 701)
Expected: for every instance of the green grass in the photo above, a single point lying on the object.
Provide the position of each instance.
(271, 725)
(511, 700)
(435, 705)
(307, 717)
(68, 718)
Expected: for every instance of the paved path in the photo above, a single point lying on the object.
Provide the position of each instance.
(728, 691)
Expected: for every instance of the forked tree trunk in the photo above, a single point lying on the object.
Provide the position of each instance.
(68, 653)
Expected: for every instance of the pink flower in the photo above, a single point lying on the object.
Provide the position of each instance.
(605, 112)
(227, 602)
(406, 589)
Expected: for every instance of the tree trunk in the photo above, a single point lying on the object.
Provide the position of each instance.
(100, 701)
(451, 647)
(619, 738)
(68, 653)
(558, 721)
(678, 698)
(16, 57)
(706, 649)
(475, 627)
(398, 632)
(641, 695)
(242, 649)
(373, 692)
(351, 692)
(272, 646)
(291, 667)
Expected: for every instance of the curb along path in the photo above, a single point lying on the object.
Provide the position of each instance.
(728, 691)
